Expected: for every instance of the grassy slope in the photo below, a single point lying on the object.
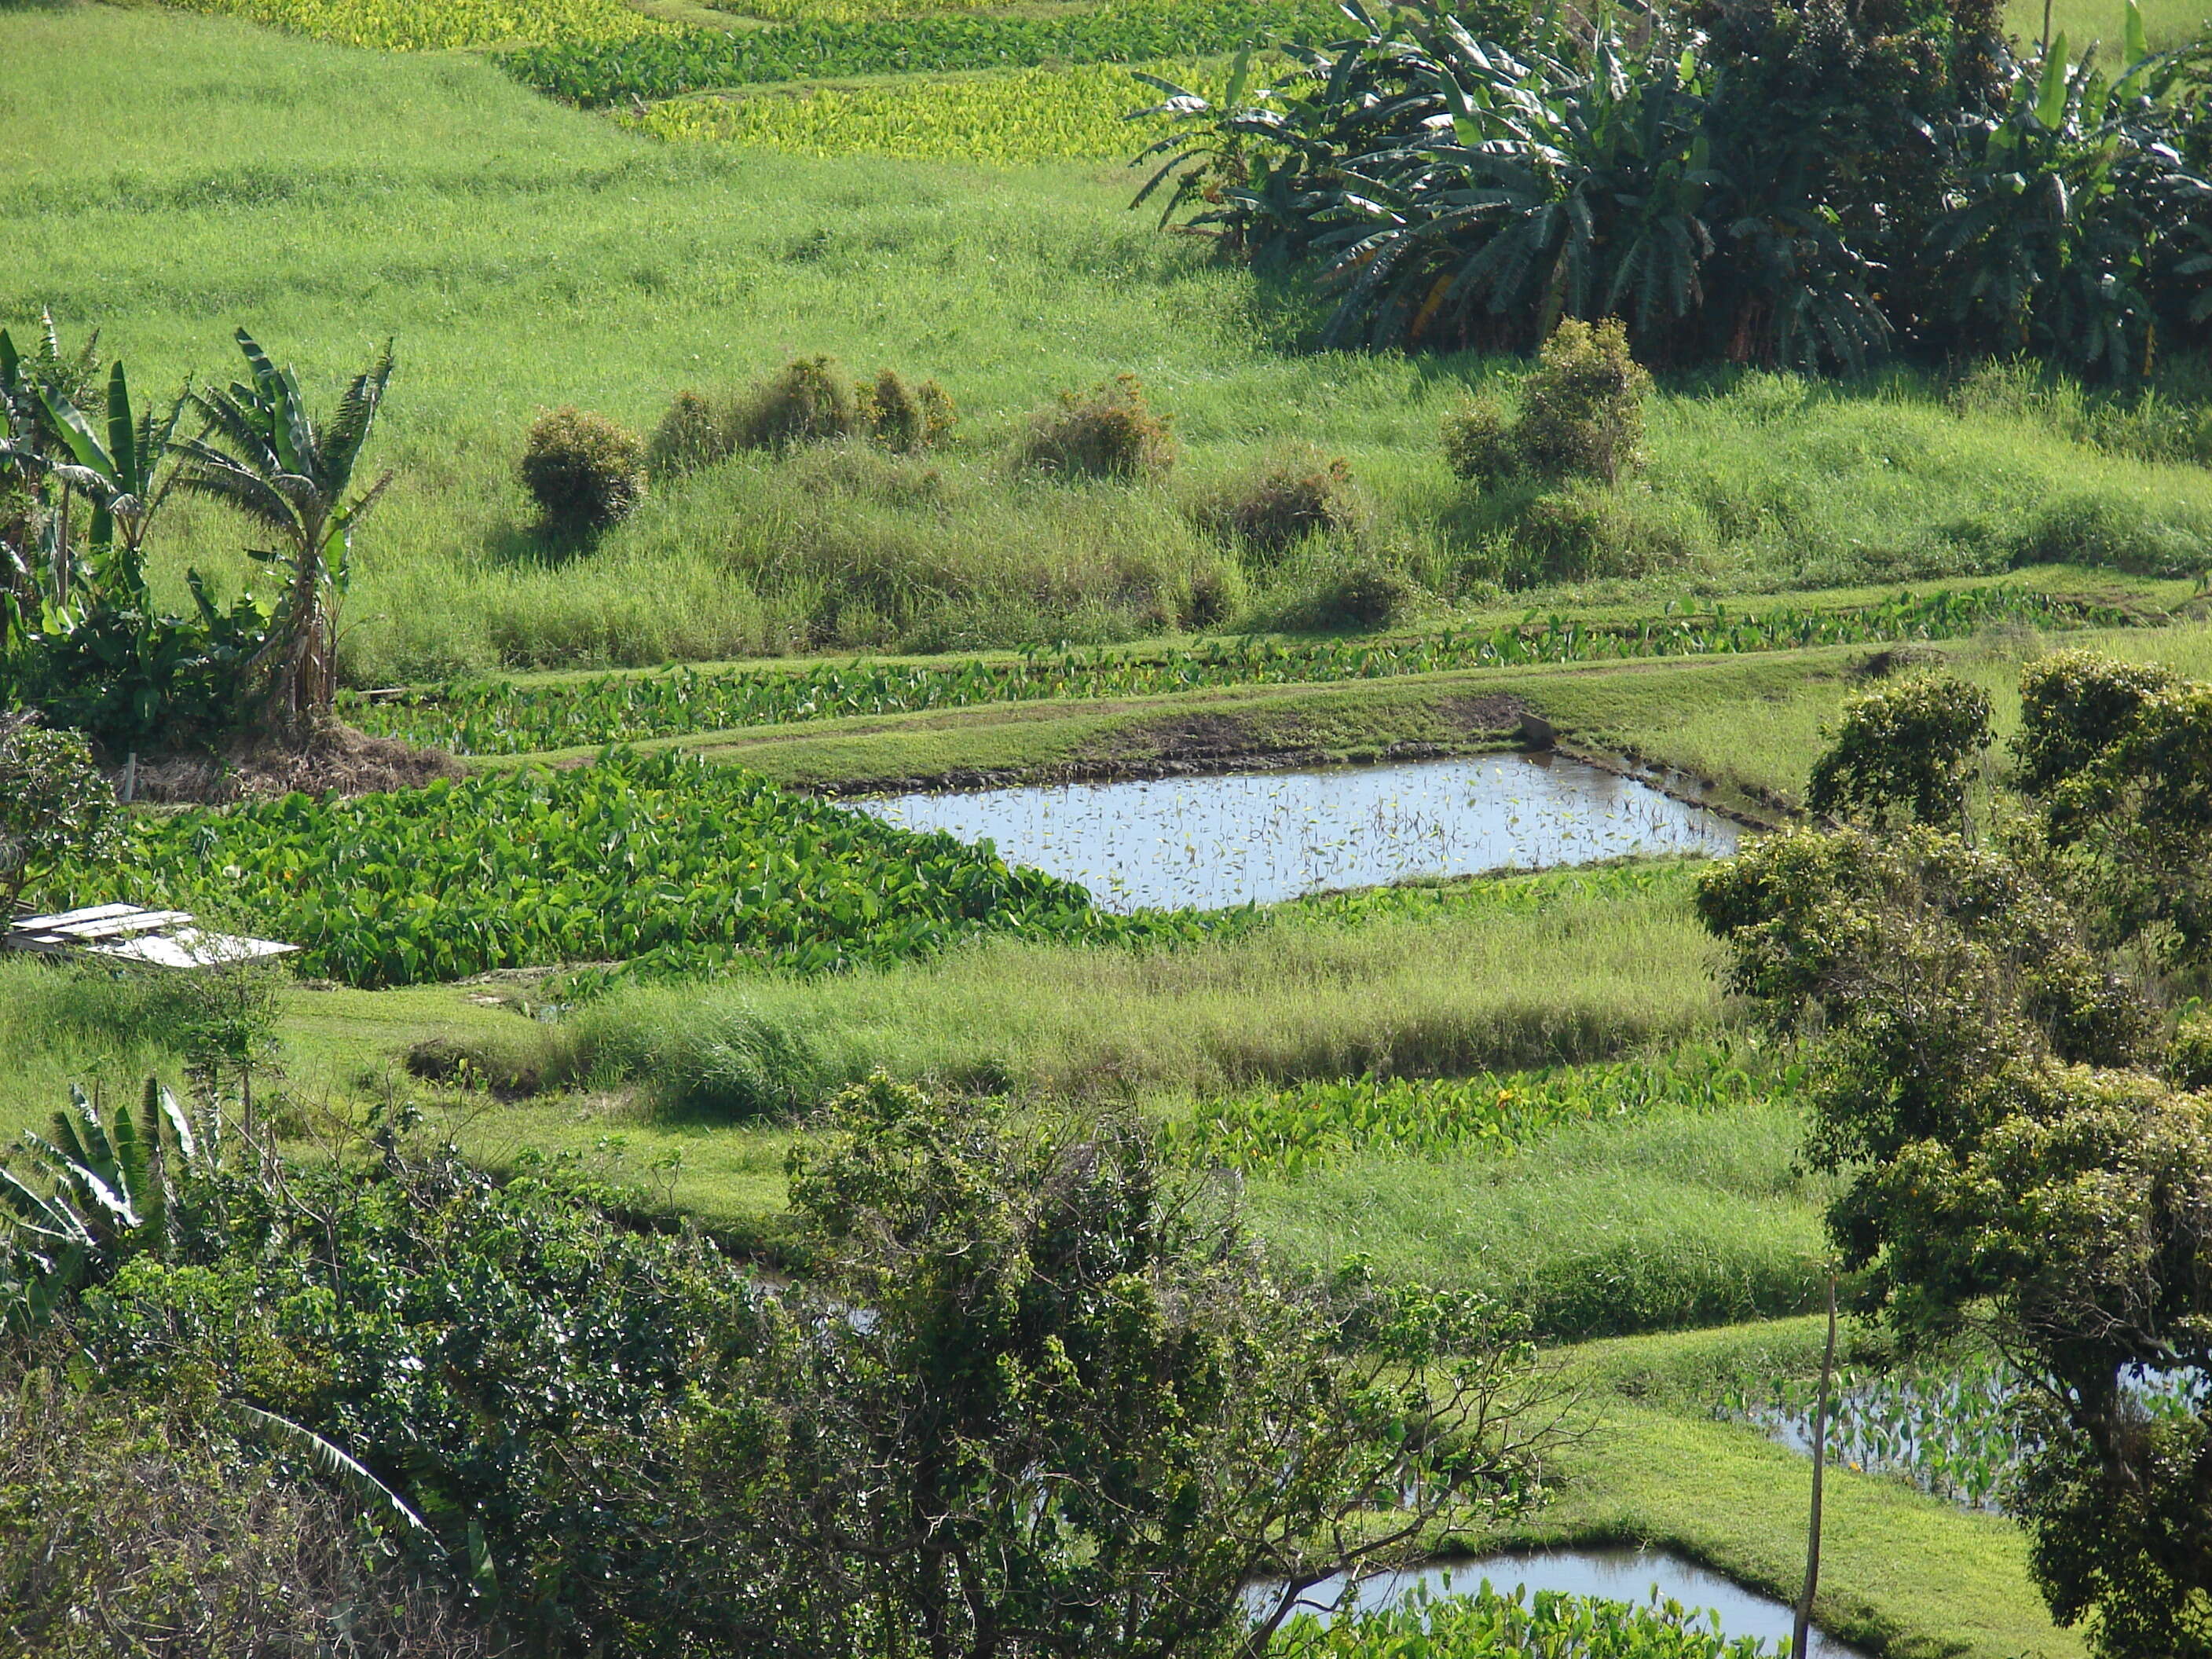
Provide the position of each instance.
(527, 255)
(1910, 1576)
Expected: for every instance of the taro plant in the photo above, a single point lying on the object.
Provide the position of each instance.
(263, 454)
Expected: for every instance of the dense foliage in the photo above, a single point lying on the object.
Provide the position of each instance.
(508, 717)
(665, 862)
(1910, 750)
(1486, 1625)
(81, 638)
(1034, 1399)
(1778, 182)
(664, 66)
(2003, 1077)
(585, 472)
(55, 806)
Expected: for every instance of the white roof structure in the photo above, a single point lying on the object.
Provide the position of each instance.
(127, 933)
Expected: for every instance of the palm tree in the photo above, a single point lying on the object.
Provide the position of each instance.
(273, 465)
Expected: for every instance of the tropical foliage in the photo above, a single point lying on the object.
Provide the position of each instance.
(295, 481)
(667, 862)
(508, 717)
(1795, 186)
(55, 806)
(1081, 1412)
(81, 637)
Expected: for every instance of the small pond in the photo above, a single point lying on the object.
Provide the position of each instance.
(1615, 1574)
(1256, 838)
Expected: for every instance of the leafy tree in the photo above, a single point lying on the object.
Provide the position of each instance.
(2025, 1150)
(55, 805)
(1907, 751)
(291, 477)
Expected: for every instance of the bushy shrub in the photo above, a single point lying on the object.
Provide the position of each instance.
(814, 400)
(1907, 752)
(904, 419)
(129, 1529)
(55, 806)
(810, 400)
(1283, 502)
(585, 472)
(693, 433)
(2189, 1061)
(1479, 444)
(1108, 432)
(1582, 414)
(1582, 409)
(1366, 591)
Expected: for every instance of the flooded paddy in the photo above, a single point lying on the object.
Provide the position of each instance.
(1257, 837)
(1634, 1575)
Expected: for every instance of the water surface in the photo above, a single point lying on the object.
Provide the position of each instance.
(1256, 838)
(1615, 1574)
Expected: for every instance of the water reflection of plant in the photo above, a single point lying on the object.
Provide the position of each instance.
(1959, 1430)
(1212, 841)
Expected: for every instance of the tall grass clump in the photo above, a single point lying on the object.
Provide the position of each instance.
(1109, 432)
(1280, 504)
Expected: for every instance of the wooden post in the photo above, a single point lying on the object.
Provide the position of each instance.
(1802, 1631)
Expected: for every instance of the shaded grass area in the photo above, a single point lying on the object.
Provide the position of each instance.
(1681, 1220)
(1910, 1576)
(527, 255)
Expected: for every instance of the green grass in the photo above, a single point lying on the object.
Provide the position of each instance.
(1911, 1577)
(1657, 1223)
(527, 255)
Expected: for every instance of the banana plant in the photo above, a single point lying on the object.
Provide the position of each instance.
(38, 562)
(273, 463)
(97, 1193)
(120, 473)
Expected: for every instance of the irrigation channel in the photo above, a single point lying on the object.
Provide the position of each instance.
(1635, 1576)
(1256, 838)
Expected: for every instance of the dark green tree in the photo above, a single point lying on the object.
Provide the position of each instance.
(1904, 753)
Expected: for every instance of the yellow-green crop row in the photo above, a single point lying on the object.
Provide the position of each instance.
(1003, 116)
(849, 11)
(437, 25)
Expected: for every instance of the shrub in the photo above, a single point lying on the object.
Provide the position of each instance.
(2189, 1061)
(1365, 594)
(1478, 445)
(1583, 410)
(692, 434)
(1909, 750)
(55, 806)
(813, 400)
(585, 472)
(1108, 432)
(1284, 503)
(1582, 414)
(904, 419)
(125, 1530)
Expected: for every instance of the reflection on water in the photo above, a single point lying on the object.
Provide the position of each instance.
(1260, 836)
(1616, 1575)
